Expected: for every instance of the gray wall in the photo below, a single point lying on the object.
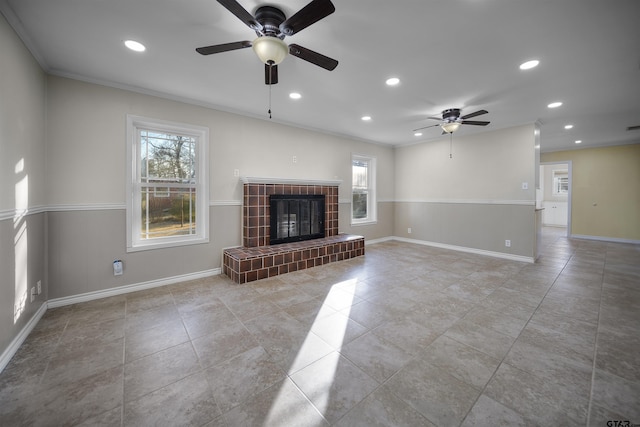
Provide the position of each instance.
(473, 200)
(22, 174)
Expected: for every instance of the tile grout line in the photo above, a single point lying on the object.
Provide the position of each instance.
(595, 345)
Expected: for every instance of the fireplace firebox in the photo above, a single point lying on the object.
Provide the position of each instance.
(296, 217)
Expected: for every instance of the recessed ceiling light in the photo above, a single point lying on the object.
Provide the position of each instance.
(567, 127)
(555, 104)
(529, 64)
(579, 141)
(366, 118)
(135, 46)
(295, 95)
(418, 134)
(392, 81)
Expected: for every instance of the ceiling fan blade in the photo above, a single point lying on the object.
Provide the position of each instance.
(474, 114)
(313, 57)
(270, 74)
(434, 118)
(310, 14)
(474, 123)
(426, 127)
(208, 50)
(241, 13)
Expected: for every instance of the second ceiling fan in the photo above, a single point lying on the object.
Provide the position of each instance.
(272, 26)
(451, 120)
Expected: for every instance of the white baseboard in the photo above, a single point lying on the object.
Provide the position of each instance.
(605, 239)
(89, 296)
(13, 347)
(374, 241)
(502, 255)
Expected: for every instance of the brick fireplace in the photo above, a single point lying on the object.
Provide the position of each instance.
(257, 259)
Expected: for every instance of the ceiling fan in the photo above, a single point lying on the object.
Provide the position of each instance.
(272, 26)
(451, 120)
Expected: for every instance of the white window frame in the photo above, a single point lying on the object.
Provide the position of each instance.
(560, 181)
(372, 215)
(133, 185)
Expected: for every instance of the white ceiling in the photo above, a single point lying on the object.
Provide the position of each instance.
(455, 53)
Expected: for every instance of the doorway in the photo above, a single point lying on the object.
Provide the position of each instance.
(554, 195)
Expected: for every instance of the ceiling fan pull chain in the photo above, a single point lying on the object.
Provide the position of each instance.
(269, 101)
(451, 145)
(270, 85)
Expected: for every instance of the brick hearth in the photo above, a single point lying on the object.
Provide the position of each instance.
(258, 260)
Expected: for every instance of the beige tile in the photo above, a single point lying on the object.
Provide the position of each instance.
(486, 340)
(378, 358)
(537, 398)
(617, 395)
(334, 385)
(382, 408)
(143, 343)
(157, 370)
(337, 330)
(409, 335)
(70, 364)
(182, 403)
(461, 361)
(243, 376)
(282, 404)
(488, 412)
(226, 340)
(441, 398)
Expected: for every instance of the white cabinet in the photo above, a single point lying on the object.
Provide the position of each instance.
(555, 213)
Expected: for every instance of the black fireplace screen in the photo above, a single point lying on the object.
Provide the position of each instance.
(296, 217)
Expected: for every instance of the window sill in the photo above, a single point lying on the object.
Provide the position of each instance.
(365, 222)
(166, 245)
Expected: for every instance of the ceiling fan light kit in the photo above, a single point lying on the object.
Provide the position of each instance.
(450, 127)
(270, 50)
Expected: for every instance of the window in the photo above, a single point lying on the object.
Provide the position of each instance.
(363, 199)
(560, 182)
(167, 184)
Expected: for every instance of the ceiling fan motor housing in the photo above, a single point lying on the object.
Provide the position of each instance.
(451, 115)
(270, 17)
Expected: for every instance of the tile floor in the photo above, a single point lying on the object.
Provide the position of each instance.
(407, 335)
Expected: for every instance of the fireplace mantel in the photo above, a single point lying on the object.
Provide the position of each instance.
(290, 181)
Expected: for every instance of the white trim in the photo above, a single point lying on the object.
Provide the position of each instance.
(605, 239)
(19, 213)
(225, 203)
(471, 201)
(465, 249)
(87, 207)
(15, 344)
(90, 296)
(293, 181)
(381, 240)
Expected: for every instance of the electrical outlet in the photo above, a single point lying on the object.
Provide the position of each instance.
(525, 185)
(409, 230)
(39, 285)
(295, 159)
(33, 294)
(236, 172)
(507, 243)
